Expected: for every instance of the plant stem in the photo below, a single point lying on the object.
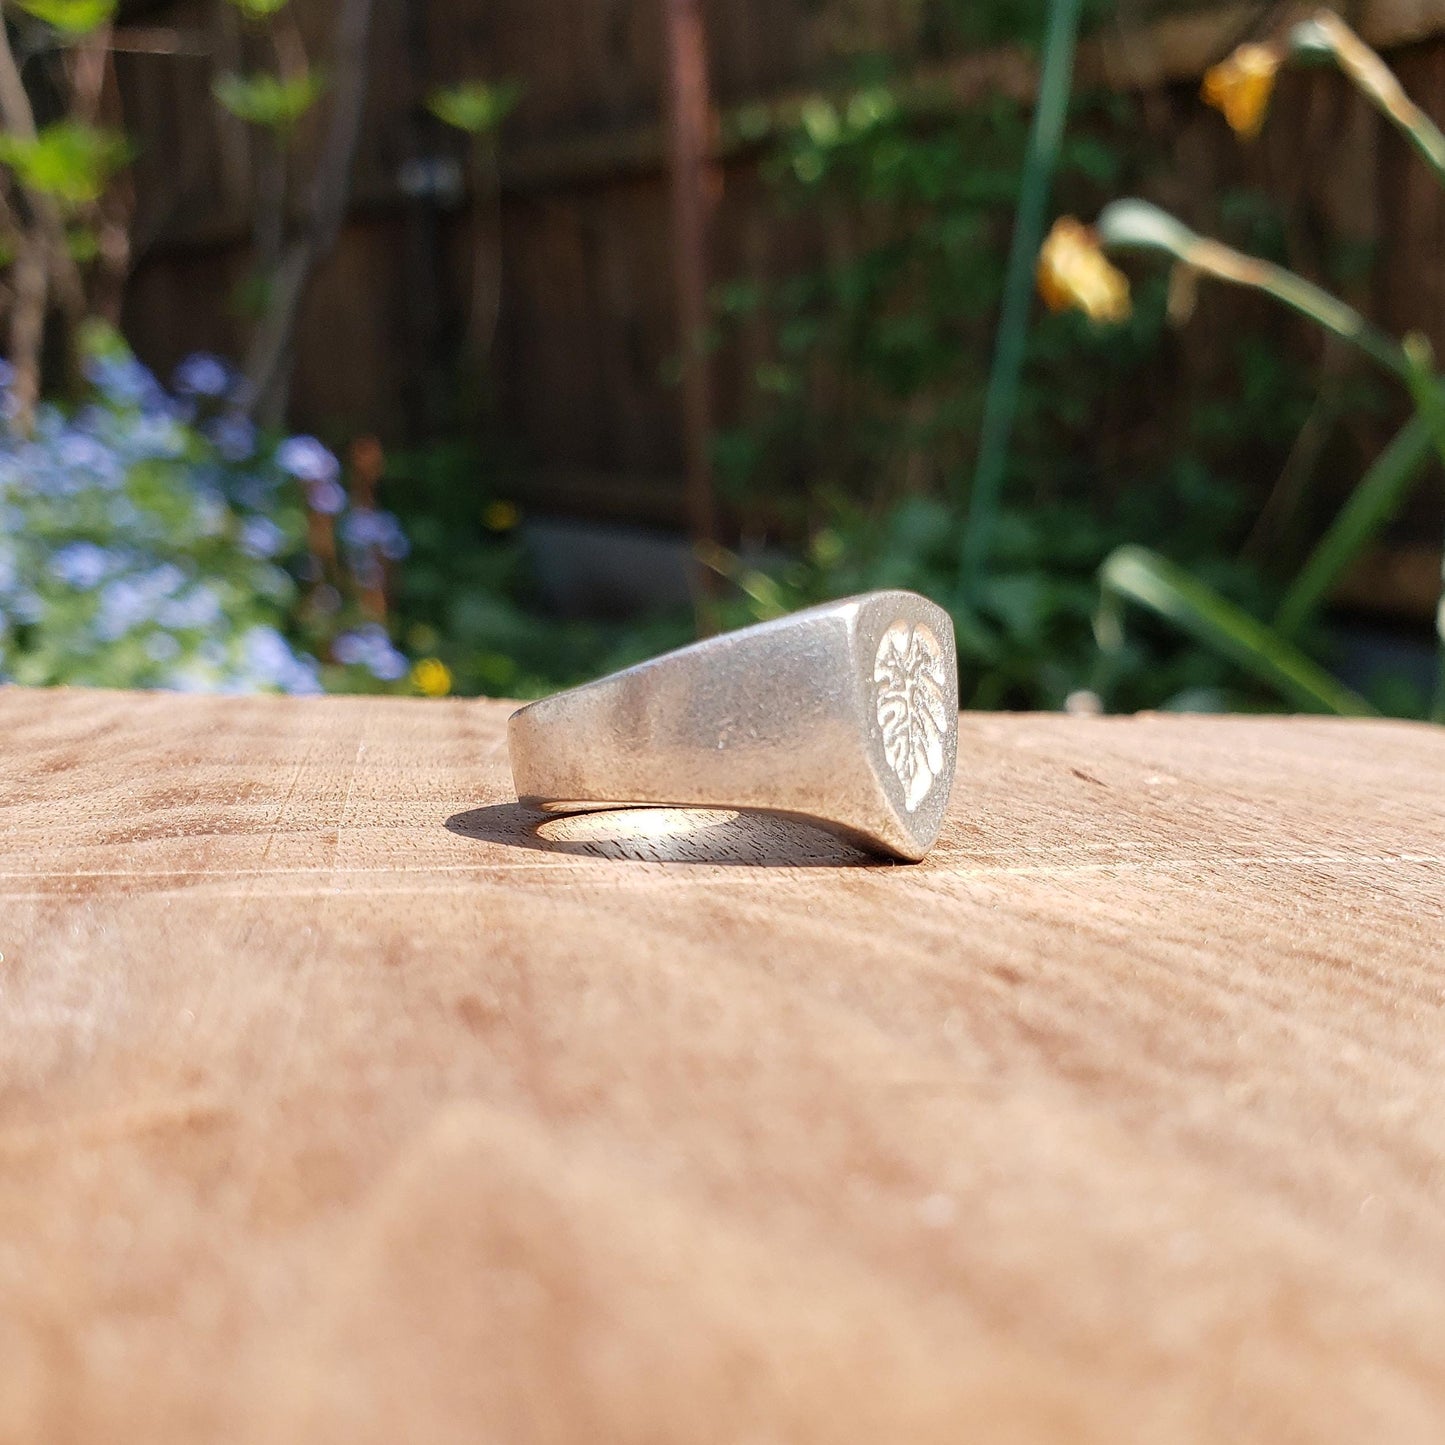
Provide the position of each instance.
(1374, 500)
(1133, 225)
(30, 291)
(268, 359)
(1001, 400)
(45, 264)
(1301, 296)
(1379, 84)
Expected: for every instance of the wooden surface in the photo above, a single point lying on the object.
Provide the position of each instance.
(337, 1104)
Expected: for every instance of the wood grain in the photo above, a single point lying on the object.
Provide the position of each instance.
(336, 1103)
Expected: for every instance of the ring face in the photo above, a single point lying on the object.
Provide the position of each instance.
(909, 674)
(845, 715)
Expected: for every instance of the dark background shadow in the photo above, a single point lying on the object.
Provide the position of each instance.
(665, 835)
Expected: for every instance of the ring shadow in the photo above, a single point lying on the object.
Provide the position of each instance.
(665, 835)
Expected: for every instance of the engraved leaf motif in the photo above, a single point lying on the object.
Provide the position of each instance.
(913, 712)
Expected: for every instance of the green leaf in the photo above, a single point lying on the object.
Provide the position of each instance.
(1143, 577)
(267, 100)
(83, 244)
(67, 160)
(475, 106)
(1001, 398)
(1375, 499)
(71, 17)
(1425, 389)
(259, 9)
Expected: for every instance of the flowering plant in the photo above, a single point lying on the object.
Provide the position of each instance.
(1074, 271)
(153, 538)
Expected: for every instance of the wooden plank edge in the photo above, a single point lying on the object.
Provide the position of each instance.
(1169, 51)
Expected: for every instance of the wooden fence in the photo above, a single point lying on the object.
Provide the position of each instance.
(577, 229)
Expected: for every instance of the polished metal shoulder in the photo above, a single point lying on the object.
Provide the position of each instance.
(844, 714)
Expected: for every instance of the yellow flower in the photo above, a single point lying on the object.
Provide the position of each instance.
(500, 516)
(1073, 271)
(1241, 84)
(432, 677)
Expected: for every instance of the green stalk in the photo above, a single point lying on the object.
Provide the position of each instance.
(1425, 388)
(1001, 399)
(1131, 225)
(1327, 35)
(1137, 225)
(1374, 500)
(1147, 579)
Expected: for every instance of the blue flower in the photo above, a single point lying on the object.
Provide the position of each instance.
(202, 374)
(190, 678)
(350, 649)
(123, 605)
(266, 653)
(128, 601)
(325, 496)
(162, 647)
(233, 437)
(25, 606)
(270, 662)
(123, 381)
(307, 460)
(260, 537)
(81, 565)
(369, 647)
(364, 528)
(156, 436)
(195, 610)
(389, 666)
(166, 518)
(212, 516)
(79, 451)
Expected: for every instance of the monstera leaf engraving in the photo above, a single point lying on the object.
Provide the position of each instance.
(913, 712)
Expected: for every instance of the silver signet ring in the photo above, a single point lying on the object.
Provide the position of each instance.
(845, 715)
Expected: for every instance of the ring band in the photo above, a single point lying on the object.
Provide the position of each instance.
(845, 715)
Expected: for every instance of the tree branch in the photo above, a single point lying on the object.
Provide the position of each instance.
(269, 357)
(44, 263)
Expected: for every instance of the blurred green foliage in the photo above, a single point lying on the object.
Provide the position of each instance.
(259, 10)
(269, 100)
(467, 593)
(154, 538)
(70, 17)
(862, 424)
(859, 428)
(1073, 271)
(67, 160)
(477, 107)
